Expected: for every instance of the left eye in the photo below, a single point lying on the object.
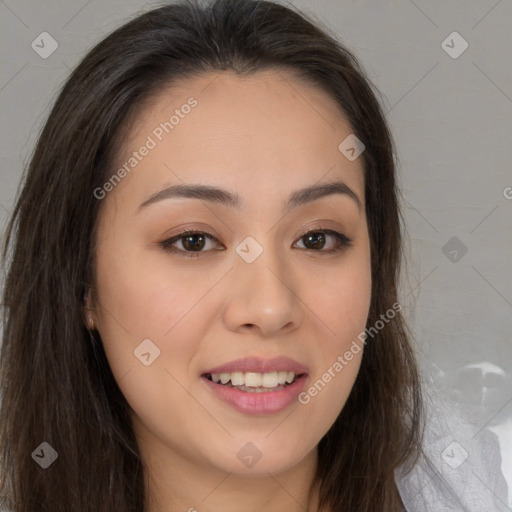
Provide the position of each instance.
(193, 242)
(317, 238)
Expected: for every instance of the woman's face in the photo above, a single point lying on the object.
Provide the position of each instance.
(250, 298)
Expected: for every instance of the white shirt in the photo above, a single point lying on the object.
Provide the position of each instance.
(462, 468)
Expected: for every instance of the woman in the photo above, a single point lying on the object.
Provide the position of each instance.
(201, 303)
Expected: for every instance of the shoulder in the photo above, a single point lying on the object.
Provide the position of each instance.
(460, 469)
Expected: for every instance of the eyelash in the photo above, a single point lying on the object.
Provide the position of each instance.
(342, 240)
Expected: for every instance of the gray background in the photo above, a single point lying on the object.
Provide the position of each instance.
(451, 118)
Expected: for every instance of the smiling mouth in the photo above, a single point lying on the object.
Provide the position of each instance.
(253, 382)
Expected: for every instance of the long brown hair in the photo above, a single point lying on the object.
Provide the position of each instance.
(56, 384)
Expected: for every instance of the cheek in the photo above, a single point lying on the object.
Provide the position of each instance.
(140, 301)
(138, 304)
(344, 312)
(325, 396)
(342, 304)
(340, 298)
(144, 293)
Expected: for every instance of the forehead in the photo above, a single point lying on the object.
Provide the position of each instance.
(262, 133)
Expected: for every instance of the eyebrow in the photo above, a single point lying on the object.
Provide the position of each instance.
(221, 196)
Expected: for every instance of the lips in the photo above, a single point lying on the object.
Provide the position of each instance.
(260, 365)
(254, 385)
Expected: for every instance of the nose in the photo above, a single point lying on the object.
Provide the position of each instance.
(263, 297)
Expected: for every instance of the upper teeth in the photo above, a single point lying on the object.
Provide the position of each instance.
(256, 380)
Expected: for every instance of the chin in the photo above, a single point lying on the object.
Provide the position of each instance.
(259, 457)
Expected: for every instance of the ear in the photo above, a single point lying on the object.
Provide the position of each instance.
(90, 318)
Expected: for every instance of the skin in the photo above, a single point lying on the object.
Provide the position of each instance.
(262, 137)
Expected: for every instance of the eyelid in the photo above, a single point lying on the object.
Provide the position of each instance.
(167, 244)
(342, 240)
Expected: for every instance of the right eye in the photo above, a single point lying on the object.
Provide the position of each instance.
(192, 243)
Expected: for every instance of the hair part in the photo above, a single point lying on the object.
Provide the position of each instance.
(56, 383)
